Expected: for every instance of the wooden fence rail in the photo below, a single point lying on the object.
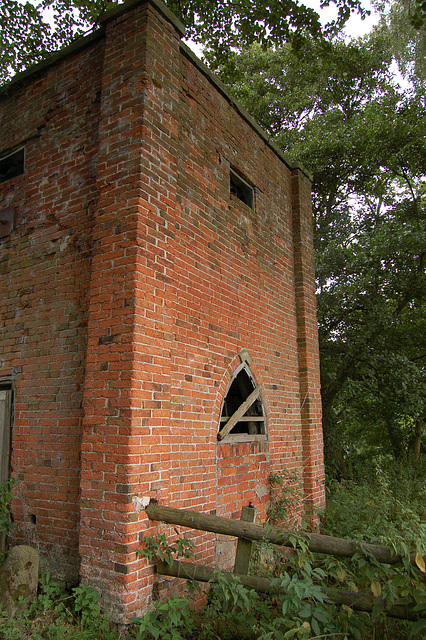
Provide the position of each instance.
(357, 601)
(247, 531)
(282, 537)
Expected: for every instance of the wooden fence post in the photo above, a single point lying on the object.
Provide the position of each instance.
(243, 552)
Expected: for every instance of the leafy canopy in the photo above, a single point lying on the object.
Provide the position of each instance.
(27, 37)
(403, 24)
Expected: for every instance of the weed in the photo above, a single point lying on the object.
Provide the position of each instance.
(87, 602)
(387, 507)
(58, 614)
(171, 620)
(5, 521)
(157, 547)
(286, 497)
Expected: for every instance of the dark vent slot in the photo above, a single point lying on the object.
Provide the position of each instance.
(241, 190)
(12, 165)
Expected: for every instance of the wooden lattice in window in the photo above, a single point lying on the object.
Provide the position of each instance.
(242, 411)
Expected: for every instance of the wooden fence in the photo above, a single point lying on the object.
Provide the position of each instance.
(247, 532)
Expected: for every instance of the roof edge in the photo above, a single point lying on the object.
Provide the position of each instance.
(119, 9)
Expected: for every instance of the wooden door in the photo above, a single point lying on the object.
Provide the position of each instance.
(5, 432)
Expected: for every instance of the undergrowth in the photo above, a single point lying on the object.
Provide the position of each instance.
(298, 605)
(387, 506)
(58, 613)
(5, 521)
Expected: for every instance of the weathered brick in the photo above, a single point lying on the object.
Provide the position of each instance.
(130, 283)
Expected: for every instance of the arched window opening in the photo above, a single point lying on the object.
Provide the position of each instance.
(242, 411)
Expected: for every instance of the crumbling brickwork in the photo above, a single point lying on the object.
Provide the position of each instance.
(130, 284)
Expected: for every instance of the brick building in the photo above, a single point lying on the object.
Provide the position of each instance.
(156, 273)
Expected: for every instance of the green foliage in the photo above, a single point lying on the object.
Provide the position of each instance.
(158, 547)
(58, 613)
(171, 620)
(26, 37)
(297, 607)
(233, 609)
(302, 606)
(51, 594)
(383, 504)
(403, 23)
(5, 497)
(87, 603)
(286, 496)
(5, 521)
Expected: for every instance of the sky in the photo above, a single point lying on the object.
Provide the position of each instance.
(355, 26)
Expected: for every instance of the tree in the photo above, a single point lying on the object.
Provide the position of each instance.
(24, 37)
(403, 23)
(27, 37)
(338, 110)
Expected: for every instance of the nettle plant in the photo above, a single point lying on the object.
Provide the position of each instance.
(59, 613)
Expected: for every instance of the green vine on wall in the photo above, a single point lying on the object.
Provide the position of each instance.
(286, 496)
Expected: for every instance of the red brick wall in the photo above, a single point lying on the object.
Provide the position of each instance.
(307, 339)
(161, 278)
(44, 272)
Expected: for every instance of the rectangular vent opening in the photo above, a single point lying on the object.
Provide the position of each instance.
(12, 165)
(241, 189)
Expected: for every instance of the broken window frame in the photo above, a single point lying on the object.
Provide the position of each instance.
(252, 403)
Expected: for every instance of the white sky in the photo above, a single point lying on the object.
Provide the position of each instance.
(355, 26)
